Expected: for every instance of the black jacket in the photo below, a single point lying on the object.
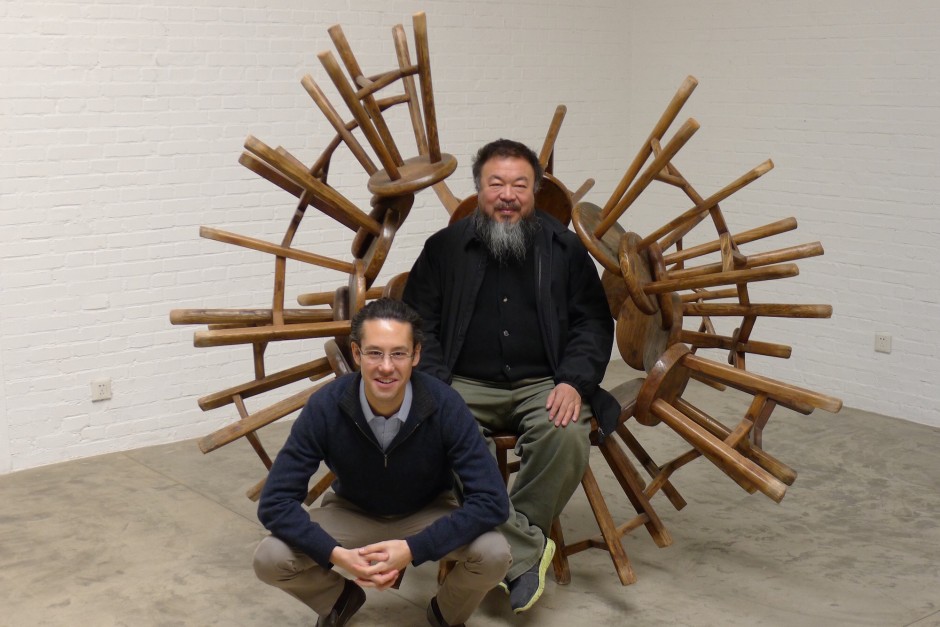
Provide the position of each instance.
(573, 315)
(439, 437)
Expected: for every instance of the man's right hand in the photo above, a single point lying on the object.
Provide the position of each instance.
(366, 573)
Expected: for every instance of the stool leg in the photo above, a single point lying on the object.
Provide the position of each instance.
(651, 467)
(622, 468)
(560, 560)
(608, 529)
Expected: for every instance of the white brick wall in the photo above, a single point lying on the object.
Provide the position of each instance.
(845, 98)
(122, 125)
(122, 128)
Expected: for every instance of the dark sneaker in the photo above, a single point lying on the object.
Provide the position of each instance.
(526, 589)
(435, 619)
(347, 604)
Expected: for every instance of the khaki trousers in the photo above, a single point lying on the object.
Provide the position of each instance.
(480, 564)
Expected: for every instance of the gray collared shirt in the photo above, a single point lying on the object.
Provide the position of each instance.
(385, 429)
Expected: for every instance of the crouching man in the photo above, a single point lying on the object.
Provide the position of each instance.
(394, 438)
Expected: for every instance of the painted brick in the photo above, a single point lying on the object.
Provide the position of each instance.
(123, 124)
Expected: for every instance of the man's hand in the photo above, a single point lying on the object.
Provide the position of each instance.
(374, 566)
(563, 405)
(390, 557)
(353, 563)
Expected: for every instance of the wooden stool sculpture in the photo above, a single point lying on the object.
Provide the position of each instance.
(650, 292)
(393, 188)
(651, 288)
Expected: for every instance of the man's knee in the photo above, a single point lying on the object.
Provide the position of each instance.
(489, 556)
(575, 437)
(274, 561)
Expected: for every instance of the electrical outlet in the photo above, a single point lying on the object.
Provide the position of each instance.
(882, 343)
(101, 389)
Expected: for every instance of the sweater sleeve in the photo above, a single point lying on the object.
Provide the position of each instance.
(485, 504)
(281, 508)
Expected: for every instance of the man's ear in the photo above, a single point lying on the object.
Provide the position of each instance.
(356, 353)
(416, 357)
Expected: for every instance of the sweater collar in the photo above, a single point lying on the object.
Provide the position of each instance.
(422, 403)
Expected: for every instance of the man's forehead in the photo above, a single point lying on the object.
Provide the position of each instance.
(385, 330)
(516, 163)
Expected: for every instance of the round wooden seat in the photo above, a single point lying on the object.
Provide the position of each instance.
(635, 269)
(417, 173)
(466, 207)
(585, 218)
(380, 207)
(374, 257)
(665, 381)
(615, 290)
(553, 198)
(642, 338)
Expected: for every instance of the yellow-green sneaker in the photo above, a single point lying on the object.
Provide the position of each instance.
(526, 589)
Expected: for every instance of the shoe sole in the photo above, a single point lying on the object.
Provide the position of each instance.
(545, 561)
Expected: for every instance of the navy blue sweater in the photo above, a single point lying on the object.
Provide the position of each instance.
(439, 437)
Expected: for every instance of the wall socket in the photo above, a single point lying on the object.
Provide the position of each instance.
(882, 343)
(101, 389)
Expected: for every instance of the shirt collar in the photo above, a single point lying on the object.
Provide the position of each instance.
(401, 415)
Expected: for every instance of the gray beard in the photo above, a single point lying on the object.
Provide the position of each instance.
(505, 242)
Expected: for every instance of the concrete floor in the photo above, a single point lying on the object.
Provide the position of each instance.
(164, 536)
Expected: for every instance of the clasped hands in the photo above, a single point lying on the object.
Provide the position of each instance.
(376, 565)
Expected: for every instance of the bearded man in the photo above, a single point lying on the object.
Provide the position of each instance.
(516, 320)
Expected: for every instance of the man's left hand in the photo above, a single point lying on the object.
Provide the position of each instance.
(389, 558)
(563, 405)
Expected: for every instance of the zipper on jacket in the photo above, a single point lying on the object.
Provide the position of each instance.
(400, 443)
(371, 440)
(384, 452)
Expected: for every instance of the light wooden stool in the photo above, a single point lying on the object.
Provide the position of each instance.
(633, 486)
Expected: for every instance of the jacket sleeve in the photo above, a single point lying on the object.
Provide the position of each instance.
(586, 350)
(281, 508)
(424, 293)
(485, 501)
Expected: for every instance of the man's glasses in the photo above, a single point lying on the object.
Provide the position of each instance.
(377, 357)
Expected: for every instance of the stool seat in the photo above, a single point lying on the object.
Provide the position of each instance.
(606, 250)
(416, 173)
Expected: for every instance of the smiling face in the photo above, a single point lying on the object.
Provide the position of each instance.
(507, 189)
(385, 377)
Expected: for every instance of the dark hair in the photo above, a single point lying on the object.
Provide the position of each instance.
(503, 148)
(387, 309)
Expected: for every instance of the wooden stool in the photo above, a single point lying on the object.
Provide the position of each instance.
(398, 176)
(630, 481)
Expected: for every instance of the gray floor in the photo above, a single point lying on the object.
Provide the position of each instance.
(164, 536)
